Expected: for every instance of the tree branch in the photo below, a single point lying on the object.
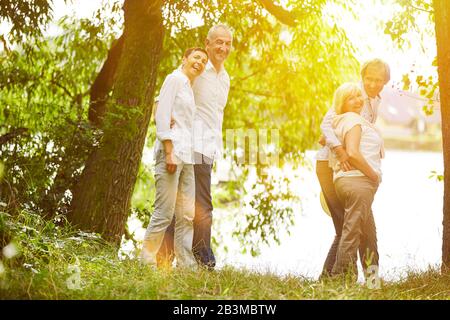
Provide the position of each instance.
(260, 93)
(5, 44)
(56, 83)
(104, 82)
(249, 76)
(421, 9)
(282, 15)
(11, 135)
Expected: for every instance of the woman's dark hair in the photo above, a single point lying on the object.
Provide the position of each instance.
(188, 52)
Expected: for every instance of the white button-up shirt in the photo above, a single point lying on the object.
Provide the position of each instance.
(176, 101)
(368, 112)
(211, 90)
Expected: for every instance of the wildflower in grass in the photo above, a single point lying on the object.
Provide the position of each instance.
(10, 251)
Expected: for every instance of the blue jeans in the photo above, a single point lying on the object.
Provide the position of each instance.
(201, 243)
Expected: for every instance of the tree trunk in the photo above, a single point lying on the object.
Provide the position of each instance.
(442, 18)
(101, 199)
(103, 83)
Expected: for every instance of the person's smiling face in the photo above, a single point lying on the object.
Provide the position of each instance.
(353, 103)
(374, 80)
(194, 64)
(219, 46)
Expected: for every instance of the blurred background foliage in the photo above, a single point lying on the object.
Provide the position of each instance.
(409, 18)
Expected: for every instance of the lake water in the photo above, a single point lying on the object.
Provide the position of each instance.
(408, 214)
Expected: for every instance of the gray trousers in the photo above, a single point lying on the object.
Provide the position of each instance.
(175, 195)
(201, 243)
(325, 177)
(357, 195)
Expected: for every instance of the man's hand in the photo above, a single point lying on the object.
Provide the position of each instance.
(375, 178)
(170, 164)
(322, 141)
(342, 157)
(172, 123)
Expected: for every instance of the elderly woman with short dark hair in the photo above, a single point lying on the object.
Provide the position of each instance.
(174, 155)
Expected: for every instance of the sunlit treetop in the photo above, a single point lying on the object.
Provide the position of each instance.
(25, 17)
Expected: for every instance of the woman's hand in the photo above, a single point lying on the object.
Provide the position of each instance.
(170, 163)
(322, 141)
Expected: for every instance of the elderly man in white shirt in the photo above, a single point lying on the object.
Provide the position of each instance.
(375, 75)
(211, 90)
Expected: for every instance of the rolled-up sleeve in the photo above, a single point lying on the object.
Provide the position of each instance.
(165, 106)
(327, 130)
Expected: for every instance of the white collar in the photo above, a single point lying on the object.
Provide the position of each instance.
(210, 66)
(185, 77)
(366, 96)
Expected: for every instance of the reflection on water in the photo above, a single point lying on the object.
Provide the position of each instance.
(407, 210)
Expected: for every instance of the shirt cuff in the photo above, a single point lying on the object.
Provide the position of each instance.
(332, 145)
(164, 135)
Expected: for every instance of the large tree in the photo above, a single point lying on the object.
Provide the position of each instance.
(101, 199)
(442, 20)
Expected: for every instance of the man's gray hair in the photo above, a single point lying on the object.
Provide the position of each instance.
(377, 63)
(213, 30)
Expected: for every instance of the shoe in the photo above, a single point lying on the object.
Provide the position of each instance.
(147, 258)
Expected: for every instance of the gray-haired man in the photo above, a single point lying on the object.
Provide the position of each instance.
(211, 94)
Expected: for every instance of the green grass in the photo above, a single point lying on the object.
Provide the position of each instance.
(108, 279)
(42, 270)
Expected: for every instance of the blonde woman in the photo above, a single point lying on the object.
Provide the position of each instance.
(356, 188)
(375, 74)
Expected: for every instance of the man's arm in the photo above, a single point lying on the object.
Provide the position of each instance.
(332, 141)
(326, 127)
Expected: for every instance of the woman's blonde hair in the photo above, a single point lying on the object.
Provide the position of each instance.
(342, 93)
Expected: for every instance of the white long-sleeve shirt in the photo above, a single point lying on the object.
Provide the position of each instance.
(368, 112)
(211, 90)
(176, 101)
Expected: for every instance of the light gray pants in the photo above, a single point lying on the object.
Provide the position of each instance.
(175, 195)
(357, 195)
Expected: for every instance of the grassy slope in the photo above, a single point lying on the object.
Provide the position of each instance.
(104, 277)
(41, 271)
